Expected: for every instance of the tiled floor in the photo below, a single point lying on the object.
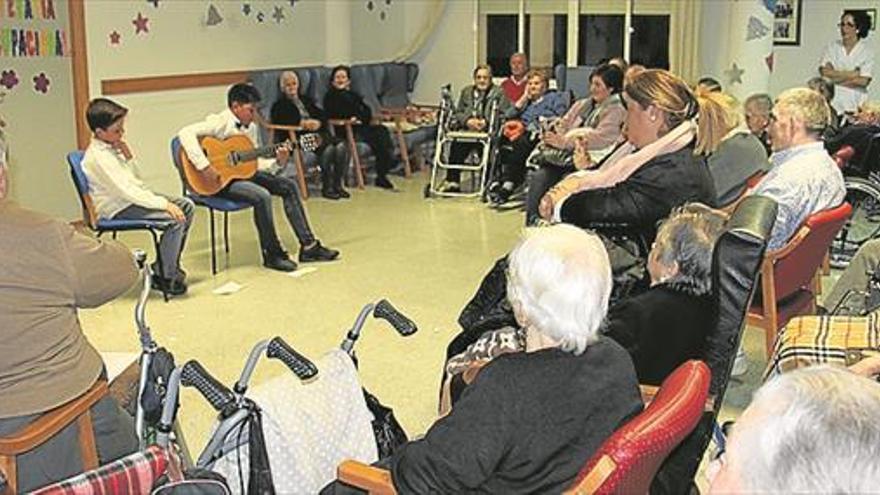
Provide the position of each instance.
(426, 256)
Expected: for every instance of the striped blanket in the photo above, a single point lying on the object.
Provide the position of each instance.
(835, 340)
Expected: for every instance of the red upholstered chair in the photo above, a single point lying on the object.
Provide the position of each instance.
(789, 275)
(629, 459)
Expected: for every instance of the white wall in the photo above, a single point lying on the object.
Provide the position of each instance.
(448, 55)
(314, 33)
(793, 65)
(40, 127)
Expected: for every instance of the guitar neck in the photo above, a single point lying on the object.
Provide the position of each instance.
(264, 152)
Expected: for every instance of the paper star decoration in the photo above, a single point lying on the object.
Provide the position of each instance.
(140, 24)
(260, 17)
(734, 74)
(214, 17)
(154, 2)
(246, 9)
(41, 83)
(293, 3)
(9, 79)
(278, 15)
(756, 29)
(115, 37)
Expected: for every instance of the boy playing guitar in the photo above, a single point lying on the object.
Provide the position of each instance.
(237, 120)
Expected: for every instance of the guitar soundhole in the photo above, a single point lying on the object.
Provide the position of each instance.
(233, 158)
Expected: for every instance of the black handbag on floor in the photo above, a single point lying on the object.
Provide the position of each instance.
(388, 432)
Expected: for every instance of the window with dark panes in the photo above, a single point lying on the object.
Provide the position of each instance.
(600, 37)
(501, 42)
(650, 41)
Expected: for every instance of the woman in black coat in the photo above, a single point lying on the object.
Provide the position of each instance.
(299, 110)
(341, 102)
(662, 165)
(667, 325)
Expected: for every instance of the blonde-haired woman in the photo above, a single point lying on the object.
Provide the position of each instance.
(738, 156)
(661, 166)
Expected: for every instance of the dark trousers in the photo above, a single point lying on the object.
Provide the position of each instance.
(378, 138)
(334, 165)
(513, 156)
(458, 153)
(58, 458)
(258, 192)
(540, 182)
(173, 238)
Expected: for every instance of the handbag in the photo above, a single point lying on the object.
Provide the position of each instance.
(389, 434)
(548, 156)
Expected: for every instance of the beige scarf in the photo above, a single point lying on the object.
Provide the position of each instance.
(618, 167)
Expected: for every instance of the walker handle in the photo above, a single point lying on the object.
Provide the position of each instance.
(298, 364)
(389, 313)
(195, 375)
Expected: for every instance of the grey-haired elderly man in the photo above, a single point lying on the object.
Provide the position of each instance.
(814, 430)
(47, 271)
(803, 179)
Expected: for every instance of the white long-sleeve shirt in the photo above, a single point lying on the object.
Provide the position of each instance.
(114, 183)
(221, 126)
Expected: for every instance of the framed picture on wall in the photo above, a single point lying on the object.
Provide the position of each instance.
(872, 13)
(787, 22)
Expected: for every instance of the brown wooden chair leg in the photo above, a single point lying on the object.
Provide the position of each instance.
(7, 467)
(88, 449)
(298, 159)
(352, 146)
(401, 142)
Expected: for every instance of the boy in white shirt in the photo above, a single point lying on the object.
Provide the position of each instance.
(118, 192)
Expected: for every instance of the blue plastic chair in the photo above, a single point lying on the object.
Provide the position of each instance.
(212, 203)
(101, 225)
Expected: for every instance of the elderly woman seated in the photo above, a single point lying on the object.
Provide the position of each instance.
(520, 133)
(667, 325)
(296, 109)
(594, 123)
(531, 419)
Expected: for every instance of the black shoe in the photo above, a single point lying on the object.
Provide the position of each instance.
(330, 194)
(317, 253)
(384, 183)
(343, 193)
(500, 196)
(181, 274)
(170, 287)
(279, 261)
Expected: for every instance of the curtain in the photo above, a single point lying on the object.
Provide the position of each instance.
(429, 25)
(684, 39)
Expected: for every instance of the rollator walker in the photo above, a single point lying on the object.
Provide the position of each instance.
(447, 138)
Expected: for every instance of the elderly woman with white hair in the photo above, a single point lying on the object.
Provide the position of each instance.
(668, 324)
(296, 109)
(813, 430)
(531, 419)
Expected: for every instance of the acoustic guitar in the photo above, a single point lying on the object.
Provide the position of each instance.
(232, 158)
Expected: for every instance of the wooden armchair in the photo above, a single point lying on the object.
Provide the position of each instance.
(399, 116)
(348, 125)
(297, 154)
(47, 426)
(790, 275)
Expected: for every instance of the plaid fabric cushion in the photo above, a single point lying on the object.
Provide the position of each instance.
(133, 474)
(835, 340)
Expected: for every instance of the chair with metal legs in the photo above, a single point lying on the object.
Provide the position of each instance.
(101, 225)
(212, 203)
